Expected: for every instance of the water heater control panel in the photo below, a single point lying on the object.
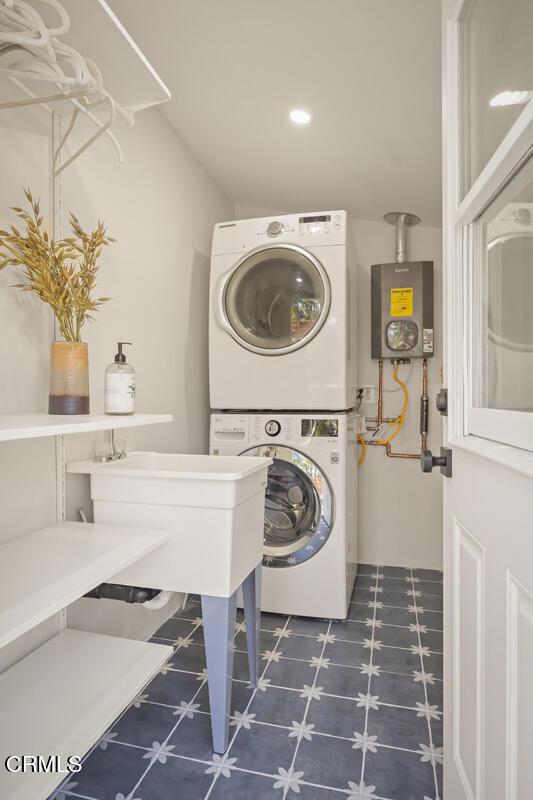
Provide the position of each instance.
(402, 310)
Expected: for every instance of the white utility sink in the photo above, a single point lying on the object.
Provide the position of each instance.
(212, 506)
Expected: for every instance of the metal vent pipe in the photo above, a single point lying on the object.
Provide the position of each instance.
(401, 220)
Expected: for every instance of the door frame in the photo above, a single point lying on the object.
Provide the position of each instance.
(458, 240)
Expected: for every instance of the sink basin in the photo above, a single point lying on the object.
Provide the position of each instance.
(176, 465)
(212, 506)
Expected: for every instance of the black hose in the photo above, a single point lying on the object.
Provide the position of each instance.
(118, 591)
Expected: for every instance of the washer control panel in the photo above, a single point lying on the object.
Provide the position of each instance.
(272, 427)
(280, 428)
(319, 430)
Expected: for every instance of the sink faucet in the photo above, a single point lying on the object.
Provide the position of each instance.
(110, 452)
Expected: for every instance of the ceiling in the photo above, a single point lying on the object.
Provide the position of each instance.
(368, 70)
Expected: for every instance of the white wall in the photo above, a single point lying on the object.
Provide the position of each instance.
(27, 469)
(161, 206)
(400, 508)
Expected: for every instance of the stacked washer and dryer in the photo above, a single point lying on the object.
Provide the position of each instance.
(282, 366)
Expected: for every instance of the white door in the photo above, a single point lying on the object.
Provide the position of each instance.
(488, 219)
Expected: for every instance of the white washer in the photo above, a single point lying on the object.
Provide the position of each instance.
(282, 314)
(310, 549)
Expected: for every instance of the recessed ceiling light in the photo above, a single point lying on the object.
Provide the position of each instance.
(300, 117)
(509, 98)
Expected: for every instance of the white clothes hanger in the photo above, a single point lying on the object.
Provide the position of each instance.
(26, 26)
(84, 105)
(32, 49)
(29, 50)
(22, 25)
(65, 66)
(89, 114)
(99, 132)
(64, 18)
(86, 80)
(82, 108)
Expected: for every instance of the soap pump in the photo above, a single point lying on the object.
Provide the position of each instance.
(120, 385)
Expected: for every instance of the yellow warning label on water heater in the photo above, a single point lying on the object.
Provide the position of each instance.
(401, 302)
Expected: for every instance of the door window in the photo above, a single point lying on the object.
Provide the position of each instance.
(501, 363)
(298, 507)
(277, 298)
(498, 81)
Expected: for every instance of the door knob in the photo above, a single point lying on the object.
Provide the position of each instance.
(444, 461)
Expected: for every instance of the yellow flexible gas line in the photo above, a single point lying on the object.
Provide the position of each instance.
(401, 419)
(363, 449)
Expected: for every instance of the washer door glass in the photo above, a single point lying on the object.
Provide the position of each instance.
(298, 507)
(277, 299)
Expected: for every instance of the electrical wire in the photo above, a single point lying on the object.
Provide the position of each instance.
(363, 449)
(401, 418)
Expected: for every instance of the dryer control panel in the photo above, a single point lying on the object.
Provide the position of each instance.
(317, 229)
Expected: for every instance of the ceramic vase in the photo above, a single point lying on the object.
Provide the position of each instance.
(69, 378)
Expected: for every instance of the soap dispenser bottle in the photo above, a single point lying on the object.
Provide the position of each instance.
(120, 385)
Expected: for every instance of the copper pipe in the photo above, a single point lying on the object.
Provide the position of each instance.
(391, 454)
(388, 447)
(380, 393)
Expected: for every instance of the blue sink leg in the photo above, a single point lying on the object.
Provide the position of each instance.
(219, 614)
(251, 590)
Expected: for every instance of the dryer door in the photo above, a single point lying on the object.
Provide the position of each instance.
(276, 299)
(298, 507)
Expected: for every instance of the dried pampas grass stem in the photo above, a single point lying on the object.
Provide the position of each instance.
(63, 274)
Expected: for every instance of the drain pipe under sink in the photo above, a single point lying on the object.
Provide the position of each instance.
(152, 599)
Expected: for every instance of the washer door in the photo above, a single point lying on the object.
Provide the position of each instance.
(276, 299)
(298, 507)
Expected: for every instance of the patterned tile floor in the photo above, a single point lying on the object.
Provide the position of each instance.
(349, 710)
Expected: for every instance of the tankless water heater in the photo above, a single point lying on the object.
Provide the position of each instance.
(402, 310)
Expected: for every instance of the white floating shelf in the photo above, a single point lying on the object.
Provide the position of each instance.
(61, 698)
(96, 32)
(35, 426)
(43, 572)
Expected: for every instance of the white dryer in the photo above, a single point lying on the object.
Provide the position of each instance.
(282, 314)
(310, 543)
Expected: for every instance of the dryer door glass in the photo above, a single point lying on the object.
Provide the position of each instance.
(277, 299)
(298, 507)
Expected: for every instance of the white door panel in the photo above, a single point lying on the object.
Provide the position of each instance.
(519, 688)
(488, 509)
(469, 644)
(488, 632)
